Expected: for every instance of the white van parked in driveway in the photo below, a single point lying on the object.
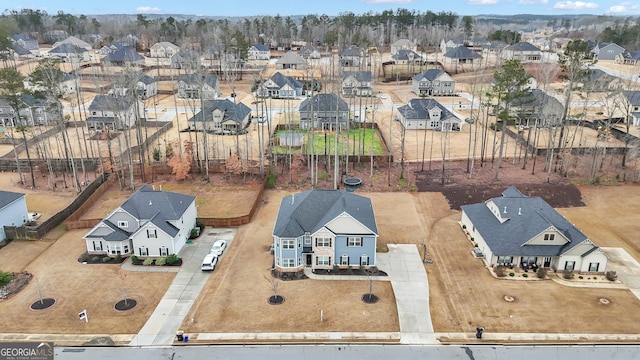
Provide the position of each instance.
(209, 262)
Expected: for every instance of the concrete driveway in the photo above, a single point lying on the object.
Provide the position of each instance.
(626, 267)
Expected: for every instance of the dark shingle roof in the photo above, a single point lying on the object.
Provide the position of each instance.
(418, 109)
(7, 197)
(633, 96)
(110, 103)
(67, 49)
(311, 210)
(291, 58)
(350, 51)
(282, 80)
(522, 46)
(260, 47)
(527, 218)
(404, 54)
(124, 54)
(461, 52)
(358, 75)
(430, 75)
(20, 50)
(236, 112)
(194, 79)
(324, 103)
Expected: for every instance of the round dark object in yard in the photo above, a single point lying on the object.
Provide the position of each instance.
(352, 181)
(43, 304)
(370, 298)
(276, 299)
(125, 304)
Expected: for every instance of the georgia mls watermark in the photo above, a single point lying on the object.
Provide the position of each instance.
(26, 350)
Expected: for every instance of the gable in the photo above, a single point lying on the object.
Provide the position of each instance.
(580, 249)
(345, 224)
(550, 236)
(99, 230)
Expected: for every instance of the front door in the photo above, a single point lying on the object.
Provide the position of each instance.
(547, 262)
(309, 259)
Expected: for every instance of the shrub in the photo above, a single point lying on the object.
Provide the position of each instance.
(161, 261)
(172, 259)
(512, 274)
(84, 257)
(580, 277)
(500, 271)
(525, 275)
(119, 258)
(611, 275)
(568, 275)
(464, 226)
(271, 180)
(134, 259)
(95, 258)
(147, 262)
(200, 224)
(5, 277)
(106, 259)
(194, 233)
(541, 273)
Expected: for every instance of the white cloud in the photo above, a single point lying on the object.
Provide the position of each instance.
(482, 2)
(387, 1)
(625, 7)
(533, 2)
(148, 9)
(574, 5)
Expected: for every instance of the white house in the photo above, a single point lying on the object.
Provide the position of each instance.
(13, 210)
(108, 111)
(516, 230)
(150, 223)
(163, 49)
(428, 114)
(259, 52)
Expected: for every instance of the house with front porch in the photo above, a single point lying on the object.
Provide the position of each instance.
(259, 52)
(428, 114)
(195, 86)
(291, 60)
(220, 117)
(151, 223)
(628, 58)
(114, 112)
(433, 82)
(69, 53)
(356, 83)
(407, 57)
(523, 51)
(324, 111)
(320, 229)
(280, 86)
(163, 49)
(525, 232)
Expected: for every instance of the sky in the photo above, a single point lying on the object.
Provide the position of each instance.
(329, 7)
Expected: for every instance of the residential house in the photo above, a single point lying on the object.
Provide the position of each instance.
(68, 82)
(450, 44)
(597, 80)
(69, 53)
(72, 40)
(18, 52)
(537, 108)
(559, 44)
(33, 111)
(111, 48)
(143, 85)
(433, 82)
(280, 86)
(521, 231)
(351, 56)
(291, 60)
(259, 52)
(309, 52)
(324, 111)
(493, 47)
(195, 86)
(523, 51)
(428, 114)
(125, 56)
(26, 42)
(403, 44)
(13, 211)
(633, 101)
(185, 59)
(320, 229)
(356, 83)
(628, 58)
(221, 117)
(163, 49)
(114, 112)
(461, 56)
(151, 223)
(405, 57)
(607, 51)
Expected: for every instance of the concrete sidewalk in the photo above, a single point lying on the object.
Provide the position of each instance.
(161, 327)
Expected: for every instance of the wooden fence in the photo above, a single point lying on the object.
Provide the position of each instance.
(238, 220)
(74, 221)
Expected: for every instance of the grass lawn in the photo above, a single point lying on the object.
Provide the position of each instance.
(356, 142)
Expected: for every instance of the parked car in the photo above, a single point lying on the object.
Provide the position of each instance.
(218, 247)
(209, 262)
(33, 216)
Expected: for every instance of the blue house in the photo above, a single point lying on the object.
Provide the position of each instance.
(320, 229)
(13, 210)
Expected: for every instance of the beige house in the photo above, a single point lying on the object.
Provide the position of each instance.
(163, 49)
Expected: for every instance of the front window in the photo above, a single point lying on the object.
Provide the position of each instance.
(354, 241)
(152, 233)
(569, 265)
(97, 245)
(549, 237)
(364, 260)
(593, 267)
(288, 244)
(144, 251)
(164, 251)
(288, 263)
(528, 259)
(323, 242)
(323, 260)
(344, 260)
(307, 240)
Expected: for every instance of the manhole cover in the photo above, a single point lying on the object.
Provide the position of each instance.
(509, 298)
(43, 304)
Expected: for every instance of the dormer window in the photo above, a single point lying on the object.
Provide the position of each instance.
(123, 224)
(549, 237)
(152, 233)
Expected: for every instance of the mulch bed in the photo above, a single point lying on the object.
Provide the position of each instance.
(43, 304)
(356, 272)
(89, 259)
(370, 298)
(125, 304)
(15, 285)
(276, 299)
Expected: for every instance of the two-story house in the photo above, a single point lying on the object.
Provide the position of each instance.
(433, 82)
(69, 53)
(406, 57)
(259, 52)
(309, 52)
(521, 231)
(428, 114)
(356, 83)
(291, 60)
(324, 111)
(149, 224)
(320, 229)
(124, 56)
(185, 59)
(280, 86)
(633, 102)
(351, 57)
(163, 49)
(114, 112)
(33, 111)
(143, 85)
(461, 55)
(195, 86)
(607, 51)
(221, 117)
(523, 51)
(403, 44)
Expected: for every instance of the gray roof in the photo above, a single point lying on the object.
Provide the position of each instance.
(632, 55)
(461, 52)
(350, 51)
(236, 112)
(311, 210)
(535, 98)
(291, 58)
(358, 75)
(194, 79)
(404, 54)
(527, 218)
(260, 47)
(522, 46)
(7, 197)
(123, 54)
(20, 50)
(430, 74)
(110, 103)
(146, 79)
(633, 96)
(324, 103)
(418, 109)
(67, 48)
(282, 80)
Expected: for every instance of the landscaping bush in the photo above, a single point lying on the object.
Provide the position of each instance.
(500, 271)
(200, 224)
(84, 257)
(106, 259)
(525, 275)
(194, 233)
(568, 275)
(271, 181)
(541, 273)
(512, 274)
(172, 259)
(5, 277)
(147, 262)
(119, 258)
(136, 260)
(580, 277)
(611, 275)
(464, 226)
(95, 258)
(161, 261)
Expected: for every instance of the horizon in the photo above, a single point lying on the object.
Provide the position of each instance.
(332, 8)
